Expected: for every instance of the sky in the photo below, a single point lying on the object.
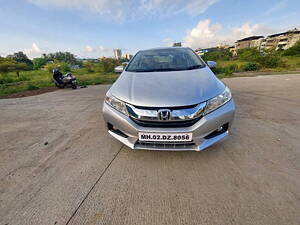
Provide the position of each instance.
(93, 28)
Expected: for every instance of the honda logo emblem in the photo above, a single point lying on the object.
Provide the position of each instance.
(164, 114)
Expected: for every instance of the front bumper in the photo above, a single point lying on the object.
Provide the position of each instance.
(201, 130)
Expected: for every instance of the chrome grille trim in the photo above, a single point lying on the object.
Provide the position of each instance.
(177, 113)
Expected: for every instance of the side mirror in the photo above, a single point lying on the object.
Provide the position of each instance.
(211, 64)
(119, 69)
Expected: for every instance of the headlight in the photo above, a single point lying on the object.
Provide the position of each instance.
(116, 103)
(217, 101)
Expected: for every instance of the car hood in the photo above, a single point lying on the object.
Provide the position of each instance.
(167, 89)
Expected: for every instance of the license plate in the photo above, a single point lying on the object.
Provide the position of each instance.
(163, 137)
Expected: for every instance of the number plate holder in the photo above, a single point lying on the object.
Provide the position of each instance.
(165, 137)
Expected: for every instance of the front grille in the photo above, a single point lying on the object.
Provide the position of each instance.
(166, 124)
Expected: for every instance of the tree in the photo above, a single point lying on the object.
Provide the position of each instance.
(39, 62)
(5, 65)
(8, 65)
(64, 67)
(66, 57)
(18, 67)
(109, 64)
(20, 57)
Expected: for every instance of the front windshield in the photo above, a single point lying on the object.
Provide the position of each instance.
(165, 60)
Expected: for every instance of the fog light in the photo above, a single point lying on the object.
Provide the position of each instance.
(116, 130)
(220, 129)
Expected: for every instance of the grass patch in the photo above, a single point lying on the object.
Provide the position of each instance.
(31, 87)
(226, 68)
(32, 80)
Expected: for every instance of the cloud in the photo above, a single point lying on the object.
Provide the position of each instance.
(89, 49)
(95, 51)
(120, 9)
(278, 6)
(206, 35)
(169, 7)
(34, 51)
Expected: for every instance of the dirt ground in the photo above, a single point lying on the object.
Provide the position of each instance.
(29, 93)
(59, 166)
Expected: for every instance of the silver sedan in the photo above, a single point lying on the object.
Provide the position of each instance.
(168, 99)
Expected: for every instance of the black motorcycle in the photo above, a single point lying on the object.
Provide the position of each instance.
(62, 81)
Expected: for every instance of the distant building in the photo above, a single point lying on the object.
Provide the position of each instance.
(283, 40)
(249, 42)
(232, 49)
(127, 56)
(117, 53)
(222, 45)
(177, 44)
(278, 41)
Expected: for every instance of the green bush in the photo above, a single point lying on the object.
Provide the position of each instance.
(227, 70)
(217, 54)
(23, 78)
(217, 70)
(268, 59)
(251, 66)
(65, 67)
(249, 54)
(89, 67)
(271, 61)
(294, 50)
(32, 87)
(6, 80)
(233, 67)
(109, 64)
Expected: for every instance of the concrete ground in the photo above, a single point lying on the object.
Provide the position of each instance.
(59, 166)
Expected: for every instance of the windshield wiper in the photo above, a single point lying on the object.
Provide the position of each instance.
(153, 70)
(167, 69)
(194, 67)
